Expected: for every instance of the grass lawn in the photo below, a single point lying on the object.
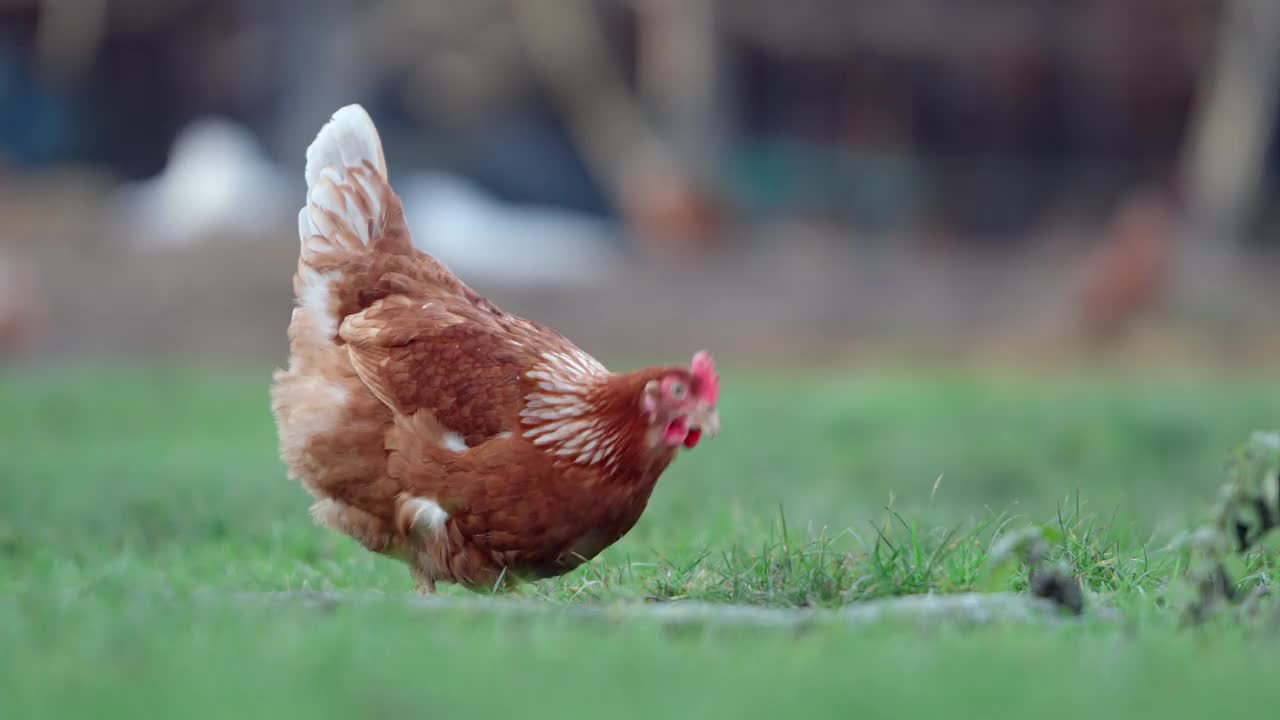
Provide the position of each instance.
(130, 500)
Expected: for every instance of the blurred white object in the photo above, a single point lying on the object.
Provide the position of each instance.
(217, 181)
(486, 240)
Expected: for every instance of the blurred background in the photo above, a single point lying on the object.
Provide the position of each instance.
(1036, 181)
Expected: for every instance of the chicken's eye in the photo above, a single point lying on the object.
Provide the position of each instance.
(678, 390)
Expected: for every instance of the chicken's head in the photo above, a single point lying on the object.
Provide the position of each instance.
(681, 404)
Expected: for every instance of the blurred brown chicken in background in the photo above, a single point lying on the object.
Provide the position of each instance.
(1129, 272)
(23, 311)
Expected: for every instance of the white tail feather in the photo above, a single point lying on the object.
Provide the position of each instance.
(347, 142)
(345, 207)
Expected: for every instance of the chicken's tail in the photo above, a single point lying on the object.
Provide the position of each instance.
(351, 212)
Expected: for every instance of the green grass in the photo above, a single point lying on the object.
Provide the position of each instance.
(123, 493)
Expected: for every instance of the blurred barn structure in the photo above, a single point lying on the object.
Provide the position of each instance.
(1134, 137)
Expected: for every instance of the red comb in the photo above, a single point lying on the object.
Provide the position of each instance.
(708, 381)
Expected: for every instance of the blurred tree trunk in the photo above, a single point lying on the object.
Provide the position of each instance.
(680, 76)
(646, 175)
(1227, 148)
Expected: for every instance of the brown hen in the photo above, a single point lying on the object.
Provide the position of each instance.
(476, 446)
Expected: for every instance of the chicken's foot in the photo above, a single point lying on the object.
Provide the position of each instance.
(422, 582)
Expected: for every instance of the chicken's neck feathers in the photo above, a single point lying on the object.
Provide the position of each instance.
(588, 416)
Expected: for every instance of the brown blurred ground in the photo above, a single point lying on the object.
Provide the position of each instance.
(790, 293)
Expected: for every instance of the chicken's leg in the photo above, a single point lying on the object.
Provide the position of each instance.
(422, 582)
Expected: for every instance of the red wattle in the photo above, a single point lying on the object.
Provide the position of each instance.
(691, 440)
